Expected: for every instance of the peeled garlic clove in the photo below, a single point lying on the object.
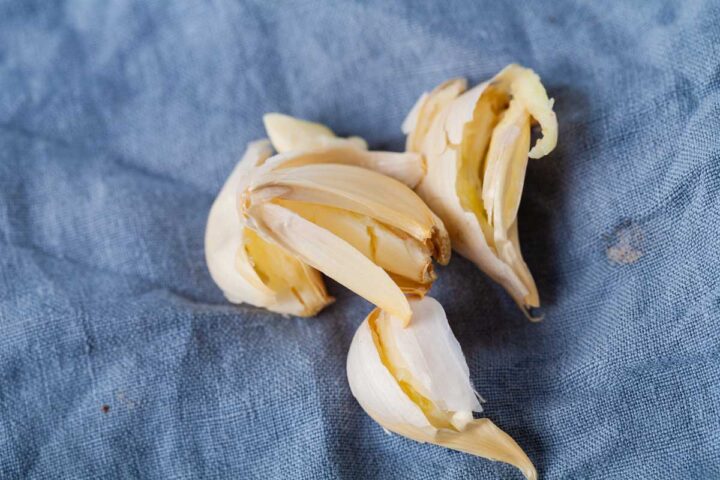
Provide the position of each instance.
(413, 380)
(245, 267)
(367, 231)
(476, 146)
(289, 134)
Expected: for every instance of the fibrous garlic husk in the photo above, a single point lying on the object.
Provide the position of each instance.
(323, 204)
(476, 144)
(413, 380)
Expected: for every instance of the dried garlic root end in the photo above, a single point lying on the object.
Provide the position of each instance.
(476, 145)
(413, 380)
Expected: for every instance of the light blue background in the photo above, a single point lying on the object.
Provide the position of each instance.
(119, 120)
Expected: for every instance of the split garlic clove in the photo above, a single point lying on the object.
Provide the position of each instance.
(476, 144)
(247, 268)
(367, 231)
(413, 380)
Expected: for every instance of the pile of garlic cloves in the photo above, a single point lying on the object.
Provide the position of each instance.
(306, 203)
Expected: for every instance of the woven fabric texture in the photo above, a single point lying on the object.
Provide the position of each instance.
(119, 120)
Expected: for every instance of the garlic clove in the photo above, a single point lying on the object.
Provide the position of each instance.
(293, 134)
(414, 381)
(476, 146)
(342, 188)
(328, 253)
(246, 268)
(468, 230)
(367, 231)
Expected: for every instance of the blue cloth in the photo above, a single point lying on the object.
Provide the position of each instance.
(119, 121)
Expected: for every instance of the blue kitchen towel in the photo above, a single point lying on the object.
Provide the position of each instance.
(119, 120)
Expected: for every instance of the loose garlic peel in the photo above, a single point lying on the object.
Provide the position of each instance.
(266, 236)
(413, 380)
(476, 146)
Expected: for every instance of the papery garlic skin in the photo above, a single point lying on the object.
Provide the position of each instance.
(476, 144)
(413, 380)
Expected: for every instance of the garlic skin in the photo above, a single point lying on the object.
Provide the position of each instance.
(413, 380)
(476, 144)
(255, 267)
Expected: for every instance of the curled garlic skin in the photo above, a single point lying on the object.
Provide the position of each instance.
(476, 144)
(319, 205)
(414, 381)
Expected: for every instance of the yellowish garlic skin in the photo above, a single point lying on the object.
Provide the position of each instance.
(414, 381)
(476, 145)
